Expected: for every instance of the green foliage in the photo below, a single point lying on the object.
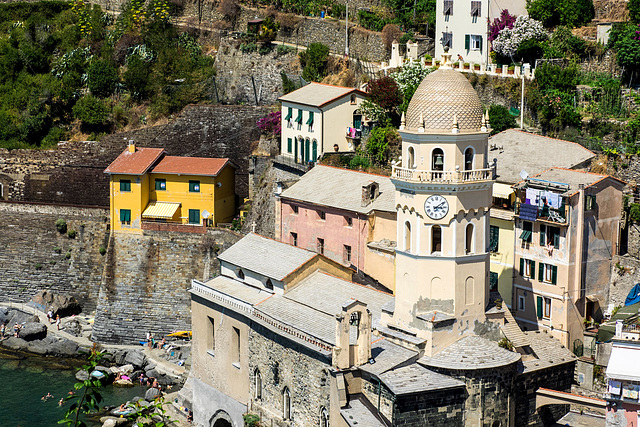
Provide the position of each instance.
(61, 226)
(92, 112)
(72, 234)
(88, 397)
(634, 212)
(572, 13)
(409, 78)
(288, 85)
(248, 47)
(634, 11)
(416, 14)
(563, 44)
(283, 49)
(500, 119)
(102, 250)
(506, 344)
(564, 79)
(102, 78)
(622, 39)
(251, 420)
(359, 162)
(314, 62)
(371, 20)
(376, 113)
(380, 142)
(38, 266)
(136, 78)
(386, 93)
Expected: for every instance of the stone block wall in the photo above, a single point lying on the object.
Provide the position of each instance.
(625, 273)
(146, 282)
(439, 409)
(284, 363)
(35, 256)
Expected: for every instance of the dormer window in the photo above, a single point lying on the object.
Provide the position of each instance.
(353, 99)
(240, 274)
(268, 284)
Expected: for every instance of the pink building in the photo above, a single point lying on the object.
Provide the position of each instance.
(348, 216)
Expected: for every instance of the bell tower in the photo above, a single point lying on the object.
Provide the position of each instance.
(443, 196)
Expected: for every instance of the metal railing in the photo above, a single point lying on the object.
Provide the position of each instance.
(545, 213)
(462, 176)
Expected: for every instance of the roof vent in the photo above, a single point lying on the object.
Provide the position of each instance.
(369, 193)
(132, 146)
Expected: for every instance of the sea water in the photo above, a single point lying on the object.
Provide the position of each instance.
(23, 383)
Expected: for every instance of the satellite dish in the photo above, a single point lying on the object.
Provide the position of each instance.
(205, 214)
(524, 174)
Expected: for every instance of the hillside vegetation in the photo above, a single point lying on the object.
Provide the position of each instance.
(70, 70)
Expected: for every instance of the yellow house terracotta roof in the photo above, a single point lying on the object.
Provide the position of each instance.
(136, 163)
(190, 165)
(160, 210)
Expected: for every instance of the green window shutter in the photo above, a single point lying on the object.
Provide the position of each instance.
(554, 274)
(194, 186)
(467, 41)
(494, 238)
(310, 120)
(289, 114)
(306, 150)
(556, 241)
(296, 150)
(125, 215)
(194, 216)
(315, 151)
(480, 43)
(543, 241)
(161, 184)
(299, 118)
(125, 185)
(522, 266)
(541, 272)
(493, 280)
(289, 145)
(539, 307)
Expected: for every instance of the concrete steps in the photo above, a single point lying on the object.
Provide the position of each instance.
(512, 331)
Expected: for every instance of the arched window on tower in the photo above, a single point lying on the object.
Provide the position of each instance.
(286, 404)
(468, 246)
(407, 236)
(436, 239)
(437, 159)
(258, 384)
(411, 158)
(324, 417)
(469, 154)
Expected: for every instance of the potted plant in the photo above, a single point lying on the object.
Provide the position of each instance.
(466, 65)
(511, 69)
(476, 67)
(428, 60)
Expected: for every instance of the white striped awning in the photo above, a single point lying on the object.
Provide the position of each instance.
(160, 210)
(504, 191)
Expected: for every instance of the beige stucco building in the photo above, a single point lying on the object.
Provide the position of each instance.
(568, 230)
(320, 118)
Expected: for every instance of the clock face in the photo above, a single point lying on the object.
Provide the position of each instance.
(436, 207)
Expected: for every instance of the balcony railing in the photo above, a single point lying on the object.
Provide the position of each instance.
(454, 177)
(542, 213)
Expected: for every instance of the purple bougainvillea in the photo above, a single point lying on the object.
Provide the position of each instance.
(506, 20)
(270, 125)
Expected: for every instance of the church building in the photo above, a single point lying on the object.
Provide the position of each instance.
(297, 344)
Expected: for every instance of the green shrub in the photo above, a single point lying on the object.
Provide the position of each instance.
(71, 233)
(91, 111)
(102, 78)
(506, 344)
(38, 266)
(57, 249)
(67, 255)
(572, 13)
(251, 420)
(102, 250)
(634, 212)
(61, 225)
(314, 62)
(283, 49)
(358, 162)
(500, 119)
(248, 47)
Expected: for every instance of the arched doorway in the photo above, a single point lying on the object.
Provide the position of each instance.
(220, 419)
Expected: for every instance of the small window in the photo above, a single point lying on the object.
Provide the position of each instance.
(436, 239)
(527, 230)
(353, 100)
(322, 215)
(521, 305)
(194, 216)
(527, 268)
(161, 184)
(294, 239)
(125, 185)
(294, 209)
(476, 8)
(407, 236)
(468, 159)
(469, 239)
(310, 119)
(235, 347)
(448, 7)
(494, 238)
(286, 404)
(347, 253)
(493, 281)
(240, 274)
(258, 384)
(289, 145)
(324, 417)
(289, 113)
(447, 40)
(549, 236)
(125, 216)
(211, 341)
(548, 273)
(349, 221)
(547, 308)
(194, 186)
(268, 284)
(320, 246)
(590, 203)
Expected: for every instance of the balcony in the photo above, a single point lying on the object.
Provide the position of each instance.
(542, 213)
(444, 177)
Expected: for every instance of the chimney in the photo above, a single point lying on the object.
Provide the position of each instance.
(369, 193)
(132, 146)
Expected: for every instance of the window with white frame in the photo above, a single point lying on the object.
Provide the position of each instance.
(547, 308)
(548, 273)
(521, 303)
(527, 268)
(475, 42)
(258, 384)
(286, 404)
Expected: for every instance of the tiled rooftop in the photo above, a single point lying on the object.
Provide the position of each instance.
(238, 290)
(517, 151)
(266, 256)
(317, 94)
(571, 177)
(342, 189)
(548, 350)
(356, 414)
(415, 379)
(387, 355)
(136, 163)
(190, 165)
(471, 353)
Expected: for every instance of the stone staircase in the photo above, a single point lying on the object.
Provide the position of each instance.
(512, 331)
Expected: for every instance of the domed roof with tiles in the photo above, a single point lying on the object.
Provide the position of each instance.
(441, 95)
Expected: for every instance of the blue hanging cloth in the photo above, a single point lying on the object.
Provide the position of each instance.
(634, 295)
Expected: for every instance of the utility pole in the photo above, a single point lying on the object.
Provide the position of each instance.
(346, 30)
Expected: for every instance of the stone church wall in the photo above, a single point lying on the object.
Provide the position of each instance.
(35, 256)
(284, 363)
(146, 282)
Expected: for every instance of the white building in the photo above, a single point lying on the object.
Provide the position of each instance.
(320, 118)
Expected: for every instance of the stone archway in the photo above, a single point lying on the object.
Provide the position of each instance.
(220, 419)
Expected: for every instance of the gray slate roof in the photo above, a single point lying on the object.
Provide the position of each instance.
(415, 379)
(471, 353)
(317, 94)
(548, 350)
(342, 189)
(571, 177)
(238, 290)
(387, 355)
(533, 153)
(266, 256)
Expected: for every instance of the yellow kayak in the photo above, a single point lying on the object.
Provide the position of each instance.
(181, 334)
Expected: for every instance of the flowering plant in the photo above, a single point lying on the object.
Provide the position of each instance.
(506, 20)
(270, 125)
(524, 29)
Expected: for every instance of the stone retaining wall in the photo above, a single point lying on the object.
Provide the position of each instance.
(146, 282)
(35, 256)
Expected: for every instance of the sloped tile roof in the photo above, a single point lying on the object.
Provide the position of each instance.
(571, 177)
(471, 353)
(415, 379)
(318, 94)
(190, 165)
(265, 256)
(342, 189)
(136, 163)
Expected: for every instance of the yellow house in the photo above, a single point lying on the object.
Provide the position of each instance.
(149, 190)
